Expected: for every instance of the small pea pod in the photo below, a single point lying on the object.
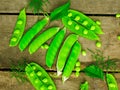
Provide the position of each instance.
(39, 77)
(72, 59)
(54, 46)
(78, 29)
(84, 20)
(19, 29)
(64, 52)
(42, 38)
(112, 84)
(30, 34)
(84, 86)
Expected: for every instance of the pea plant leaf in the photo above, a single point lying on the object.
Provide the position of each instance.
(60, 12)
(94, 71)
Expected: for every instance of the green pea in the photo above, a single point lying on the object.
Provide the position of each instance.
(54, 47)
(98, 22)
(76, 28)
(46, 46)
(77, 74)
(70, 64)
(19, 29)
(78, 63)
(98, 44)
(118, 15)
(85, 21)
(39, 77)
(84, 86)
(42, 38)
(64, 52)
(118, 37)
(84, 53)
(112, 84)
(32, 32)
(77, 69)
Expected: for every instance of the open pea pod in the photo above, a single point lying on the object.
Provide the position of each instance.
(39, 77)
(112, 84)
(85, 21)
(79, 29)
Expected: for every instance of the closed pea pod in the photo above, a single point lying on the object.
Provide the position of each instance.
(84, 20)
(64, 52)
(72, 59)
(79, 29)
(39, 77)
(42, 38)
(30, 34)
(19, 29)
(54, 46)
(112, 84)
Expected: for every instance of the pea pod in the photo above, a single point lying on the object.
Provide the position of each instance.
(54, 46)
(64, 52)
(72, 59)
(19, 29)
(39, 77)
(30, 34)
(42, 38)
(78, 29)
(112, 84)
(84, 20)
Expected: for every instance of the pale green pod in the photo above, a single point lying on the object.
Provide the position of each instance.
(39, 77)
(42, 38)
(71, 62)
(19, 29)
(54, 47)
(32, 32)
(111, 82)
(64, 52)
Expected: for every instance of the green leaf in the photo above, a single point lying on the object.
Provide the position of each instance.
(84, 86)
(60, 12)
(94, 71)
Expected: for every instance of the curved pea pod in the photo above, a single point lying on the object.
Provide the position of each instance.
(39, 77)
(54, 46)
(79, 29)
(19, 29)
(42, 38)
(30, 34)
(64, 52)
(72, 59)
(84, 20)
(112, 84)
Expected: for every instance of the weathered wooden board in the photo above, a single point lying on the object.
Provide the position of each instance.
(7, 83)
(110, 47)
(88, 7)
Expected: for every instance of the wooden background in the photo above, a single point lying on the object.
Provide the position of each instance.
(103, 10)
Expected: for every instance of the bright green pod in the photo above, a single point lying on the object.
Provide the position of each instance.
(19, 29)
(84, 20)
(64, 52)
(112, 84)
(39, 77)
(72, 59)
(76, 28)
(42, 38)
(84, 86)
(54, 46)
(30, 34)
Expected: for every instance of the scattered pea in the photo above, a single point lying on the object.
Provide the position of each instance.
(118, 15)
(77, 69)
(78, 63)
(84, 53)
(98, 44)
(77, 74)
(118, 37)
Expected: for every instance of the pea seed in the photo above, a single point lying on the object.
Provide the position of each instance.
(78, 63)
(37, 81)
(69, 22)
(77, 69)
(77, 74)
(98, 44)
(17, 31)
(77, 18)
(118, 15)
(98, 22)
(20, 22)
(77, 27)
(112, 85)
(42, 47)
(46, 46)
(84, 53)
(92, 28)
(69, 14)
(45, 80)
(118, 37)
(85, 31)
(39, 73)
(14, 39)
(32, 74)
(50, 87)
(33, 67)
(85, 23)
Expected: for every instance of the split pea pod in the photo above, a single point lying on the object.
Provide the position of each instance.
(72, 59)
(112, 84)
(64, 52)
(19, 29)
(30, 34)
(39, 77)
(84, 20)
(79, 29)
(42, 38)
(54, 46)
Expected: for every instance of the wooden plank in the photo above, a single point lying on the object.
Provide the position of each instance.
(110, 47)
(89, 6)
